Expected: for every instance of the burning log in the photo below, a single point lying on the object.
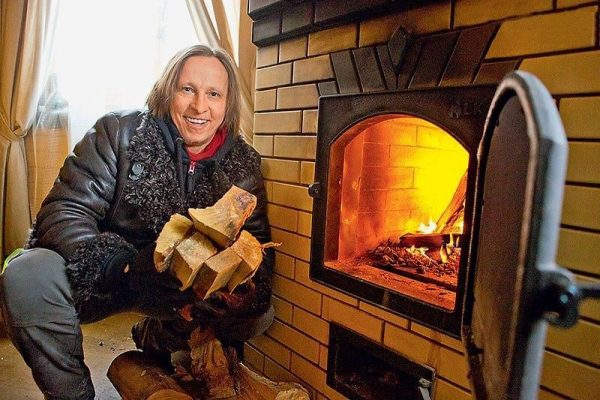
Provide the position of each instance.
(455, 211)
(421, 263)
(421, 259)
(429, 240)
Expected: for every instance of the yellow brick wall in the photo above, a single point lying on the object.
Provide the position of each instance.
(555, 39)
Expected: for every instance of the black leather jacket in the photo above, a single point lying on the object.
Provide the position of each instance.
(122, 183)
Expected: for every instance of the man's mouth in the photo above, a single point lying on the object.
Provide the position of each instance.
(196, 121)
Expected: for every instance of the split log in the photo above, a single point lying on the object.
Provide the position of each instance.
(211, 365)
(455, 209)
(223, 221)
(137, 376)
(189, 257)
(256, 387)
(174, 231)
(215, 273)
(430, 240)
(249, 249)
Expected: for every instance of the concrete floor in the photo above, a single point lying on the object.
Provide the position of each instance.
(102, 342)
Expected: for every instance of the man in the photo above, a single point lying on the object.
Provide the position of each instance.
(90, 250)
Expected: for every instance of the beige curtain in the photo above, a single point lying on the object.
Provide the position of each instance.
(26, 32)
(220, 35)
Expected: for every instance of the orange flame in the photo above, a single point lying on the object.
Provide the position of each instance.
(444, 254)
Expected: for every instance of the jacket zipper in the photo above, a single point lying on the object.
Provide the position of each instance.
(190, 179)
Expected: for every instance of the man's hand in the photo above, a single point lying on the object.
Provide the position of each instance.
(236, 303)
(222, 304)
(145, 279)
(231, 315)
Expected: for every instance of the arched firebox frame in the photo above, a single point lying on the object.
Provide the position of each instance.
(461, 112)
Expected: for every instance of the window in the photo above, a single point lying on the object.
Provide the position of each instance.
(108, 53)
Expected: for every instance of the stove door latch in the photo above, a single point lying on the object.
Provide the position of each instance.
(562, 295)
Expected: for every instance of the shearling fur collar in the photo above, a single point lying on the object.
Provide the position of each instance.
(153, 191)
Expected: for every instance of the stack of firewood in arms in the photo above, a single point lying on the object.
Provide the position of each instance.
(208, 252)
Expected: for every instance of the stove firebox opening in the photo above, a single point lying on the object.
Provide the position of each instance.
(395, 214)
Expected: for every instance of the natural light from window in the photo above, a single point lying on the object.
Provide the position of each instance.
(109, 53)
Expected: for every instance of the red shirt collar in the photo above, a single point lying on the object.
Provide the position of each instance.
(212, 148)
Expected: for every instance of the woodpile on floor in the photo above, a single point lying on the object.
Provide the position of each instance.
(137, 376)
(208, 252)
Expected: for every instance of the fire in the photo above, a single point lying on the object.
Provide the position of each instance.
(445, 251)
(444, 254)
(429, 228)
(454, 241)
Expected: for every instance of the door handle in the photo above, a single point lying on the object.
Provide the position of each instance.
(562, 297)
(314, 190)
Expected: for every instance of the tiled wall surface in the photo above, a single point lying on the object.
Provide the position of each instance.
(558, 40)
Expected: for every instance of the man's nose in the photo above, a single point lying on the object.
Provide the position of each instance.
(199, 103)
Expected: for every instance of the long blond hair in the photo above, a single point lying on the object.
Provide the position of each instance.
(160, 97)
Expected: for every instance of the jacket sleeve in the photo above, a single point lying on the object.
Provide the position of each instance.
(70, 219)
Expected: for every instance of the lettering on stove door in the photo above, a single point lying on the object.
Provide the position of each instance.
(466, 108)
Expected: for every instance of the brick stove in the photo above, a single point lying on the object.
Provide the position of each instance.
(388, 106)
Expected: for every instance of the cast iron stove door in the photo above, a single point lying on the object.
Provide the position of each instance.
(517, 287)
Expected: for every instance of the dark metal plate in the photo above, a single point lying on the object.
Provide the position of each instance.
(522, 163)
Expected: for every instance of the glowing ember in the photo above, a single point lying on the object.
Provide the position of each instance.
(393, 255)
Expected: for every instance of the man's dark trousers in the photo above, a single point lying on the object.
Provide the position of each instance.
(41, 321)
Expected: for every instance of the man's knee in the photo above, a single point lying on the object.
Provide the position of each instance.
(35, 288)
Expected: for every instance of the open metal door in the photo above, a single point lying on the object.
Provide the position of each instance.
(515, 286)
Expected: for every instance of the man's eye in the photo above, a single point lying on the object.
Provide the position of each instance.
(214, 94)
(187, 89)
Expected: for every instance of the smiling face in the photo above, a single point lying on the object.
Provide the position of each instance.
(199, 103)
